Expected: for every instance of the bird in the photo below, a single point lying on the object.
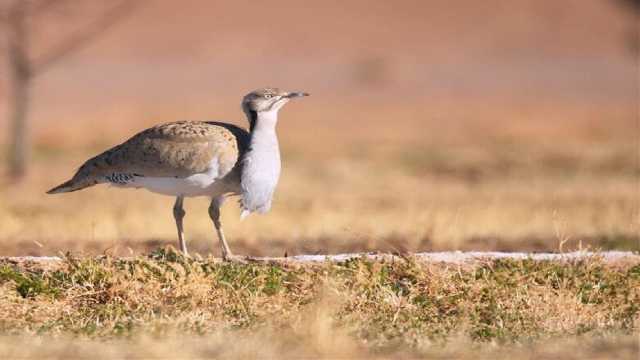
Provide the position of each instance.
(199, 158)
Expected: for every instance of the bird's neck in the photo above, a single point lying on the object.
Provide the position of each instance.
(261, 164)
(263, 129)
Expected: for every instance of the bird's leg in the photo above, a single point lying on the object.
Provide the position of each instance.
(214, 214)
(178, 214)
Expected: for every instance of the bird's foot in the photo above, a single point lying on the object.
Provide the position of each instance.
(239, 259)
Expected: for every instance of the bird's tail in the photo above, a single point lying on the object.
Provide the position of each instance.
(74, 184)
(90, 173)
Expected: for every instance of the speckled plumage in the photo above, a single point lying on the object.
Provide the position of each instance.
(177, 149)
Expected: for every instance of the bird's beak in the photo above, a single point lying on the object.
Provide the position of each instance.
(296, 94)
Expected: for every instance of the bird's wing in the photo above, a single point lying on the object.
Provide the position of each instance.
(177, 149)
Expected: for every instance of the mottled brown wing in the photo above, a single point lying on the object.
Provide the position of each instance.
(178, 149)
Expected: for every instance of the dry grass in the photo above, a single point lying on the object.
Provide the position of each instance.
(284, 345)
(167, 306)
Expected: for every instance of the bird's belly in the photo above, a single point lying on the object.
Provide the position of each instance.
(194, 185)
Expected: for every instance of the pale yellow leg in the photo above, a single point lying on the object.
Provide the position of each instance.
(214, 214)
(178, 214)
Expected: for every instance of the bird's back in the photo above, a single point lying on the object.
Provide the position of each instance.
(176, 150)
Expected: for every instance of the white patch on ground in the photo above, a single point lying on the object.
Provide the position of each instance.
(452, 257)
(461, 257)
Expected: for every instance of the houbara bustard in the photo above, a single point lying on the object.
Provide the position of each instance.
(189, 158)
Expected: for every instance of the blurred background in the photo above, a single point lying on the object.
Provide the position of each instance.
(432, 125)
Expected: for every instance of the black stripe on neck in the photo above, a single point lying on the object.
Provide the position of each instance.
(252, 116)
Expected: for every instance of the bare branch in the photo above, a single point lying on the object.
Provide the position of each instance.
(6, 7)
(83, 36)
(42, 6)
(30, 8)
(18, 40)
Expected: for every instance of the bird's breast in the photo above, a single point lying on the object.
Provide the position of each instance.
(259, 178)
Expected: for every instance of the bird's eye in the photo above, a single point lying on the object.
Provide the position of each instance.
(267, 96)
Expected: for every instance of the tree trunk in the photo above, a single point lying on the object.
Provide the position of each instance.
(22, 70)
(20, 81)
(19, 132)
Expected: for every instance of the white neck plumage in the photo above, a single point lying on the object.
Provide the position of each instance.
(261, 163)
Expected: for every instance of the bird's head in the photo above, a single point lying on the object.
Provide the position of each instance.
(268, 100)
